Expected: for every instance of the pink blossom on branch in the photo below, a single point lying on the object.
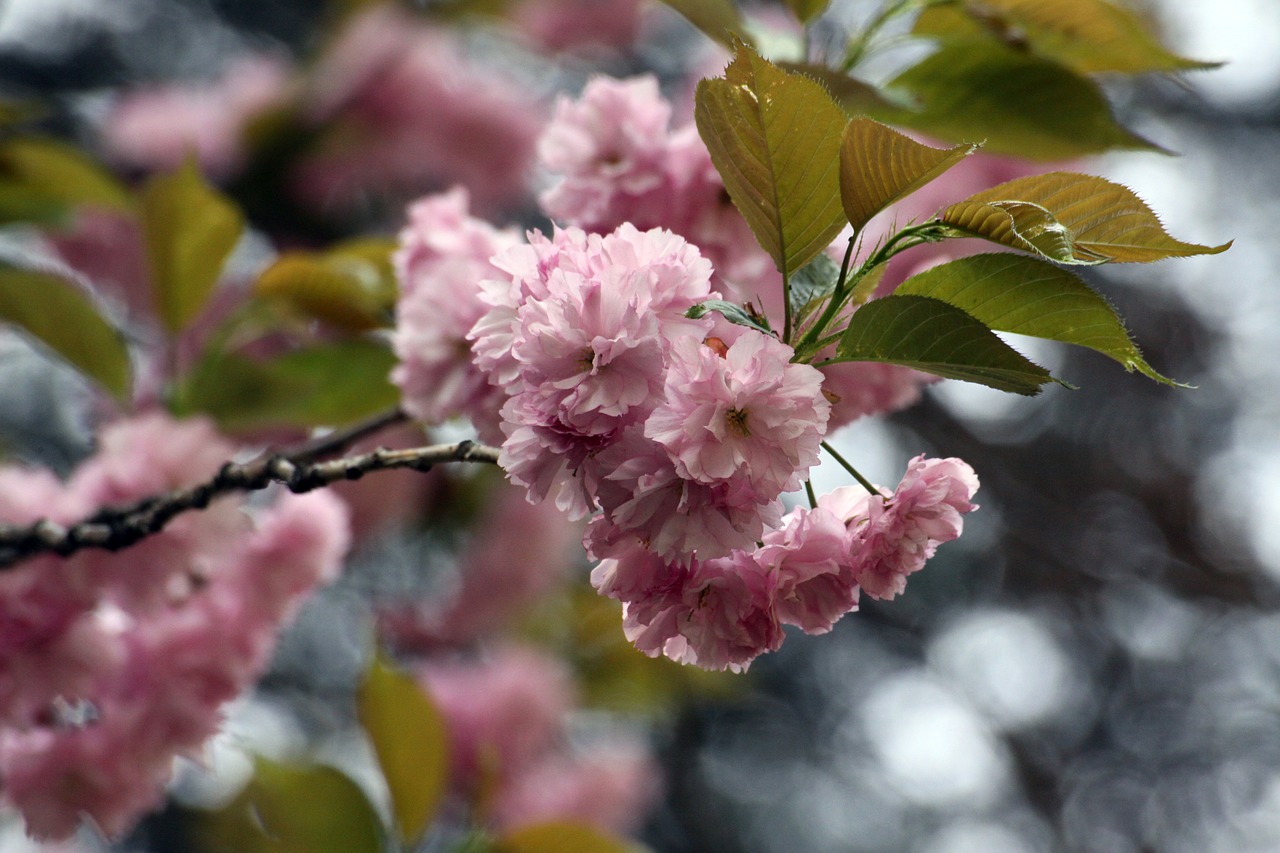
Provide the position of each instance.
(444, 253)
(892, 537)
(151, 641)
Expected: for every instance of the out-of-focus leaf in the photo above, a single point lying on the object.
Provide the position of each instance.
(190, 229)
(807, 10)
(1013, 102)
(1071, 218)
(352, 286)
(938, 338)
(814, 282)
(409, 738)
(718, 19)
(1089, 36)
(1014, 293)
(286, 809)
(879, 165)
(563, 837)
(59, 315)
(733, 313)
(774, 137)
(854, 96)
(61, 171)
(324, 385)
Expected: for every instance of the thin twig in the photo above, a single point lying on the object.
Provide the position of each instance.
(340, 439)
(115, 528)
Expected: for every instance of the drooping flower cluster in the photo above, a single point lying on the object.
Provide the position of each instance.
(676, 436)
(115, 664)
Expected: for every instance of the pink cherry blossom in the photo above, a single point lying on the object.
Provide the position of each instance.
(646, 501)
(558, 25)
(501, 712)
(808, 555)
(118, 678)
(157, 128)
(610, 786)
(715, 614)
(610, 146)
(404, 110)
(892, 537)
(444, 253)
(750, 417)
(860, 388)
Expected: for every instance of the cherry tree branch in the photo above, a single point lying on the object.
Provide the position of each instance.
(114, 528)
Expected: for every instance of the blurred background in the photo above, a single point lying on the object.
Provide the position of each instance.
(1093, 666)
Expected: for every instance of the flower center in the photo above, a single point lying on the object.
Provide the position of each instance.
(736, 420)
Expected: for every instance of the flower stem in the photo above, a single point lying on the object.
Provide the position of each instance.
(813, 499)
(844, 463)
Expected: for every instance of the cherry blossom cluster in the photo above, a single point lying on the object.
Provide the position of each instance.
(675, 436)
(116, 663)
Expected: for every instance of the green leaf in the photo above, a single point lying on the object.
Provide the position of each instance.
(1089, 36)
(814, 282)
(562, 837)
(938, 338)
(57, 171)
(323, 385)
(774, 137)
(1014, 293)
(733, 313)
(807, 10)
(352, 286)
(1070, 218)
(306, 809)
(718, 19)
(974, 90)
(409, 738)
(879, 166)
(854, 96)
(62, 317)
(190, 229)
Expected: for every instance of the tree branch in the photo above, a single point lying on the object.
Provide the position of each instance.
(115, 528)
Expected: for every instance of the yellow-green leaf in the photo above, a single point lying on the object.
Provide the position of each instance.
(351, 286)
(879, 165)
(190, 230)
(41, 178)
(409, 738)
(807, 10)
(1061, 214)
(930, 335)
(1014, 293)
(63, 318)
(775, 139)
(853, 95)
(563, 837)
(718, 19)
(307, 809)
(322, 385)
(982, 91)
(1089, 36)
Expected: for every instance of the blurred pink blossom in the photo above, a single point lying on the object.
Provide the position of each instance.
(157, 127)
(610, 787)
(150, 642)
(558, 25)
(502, 712)
(405, 112)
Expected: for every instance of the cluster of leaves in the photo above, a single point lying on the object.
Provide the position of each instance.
(800, 171)
(189, 230)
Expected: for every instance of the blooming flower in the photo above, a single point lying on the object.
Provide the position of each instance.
(750, 417)
(808, 555)
(444, 253)
(892, 537)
